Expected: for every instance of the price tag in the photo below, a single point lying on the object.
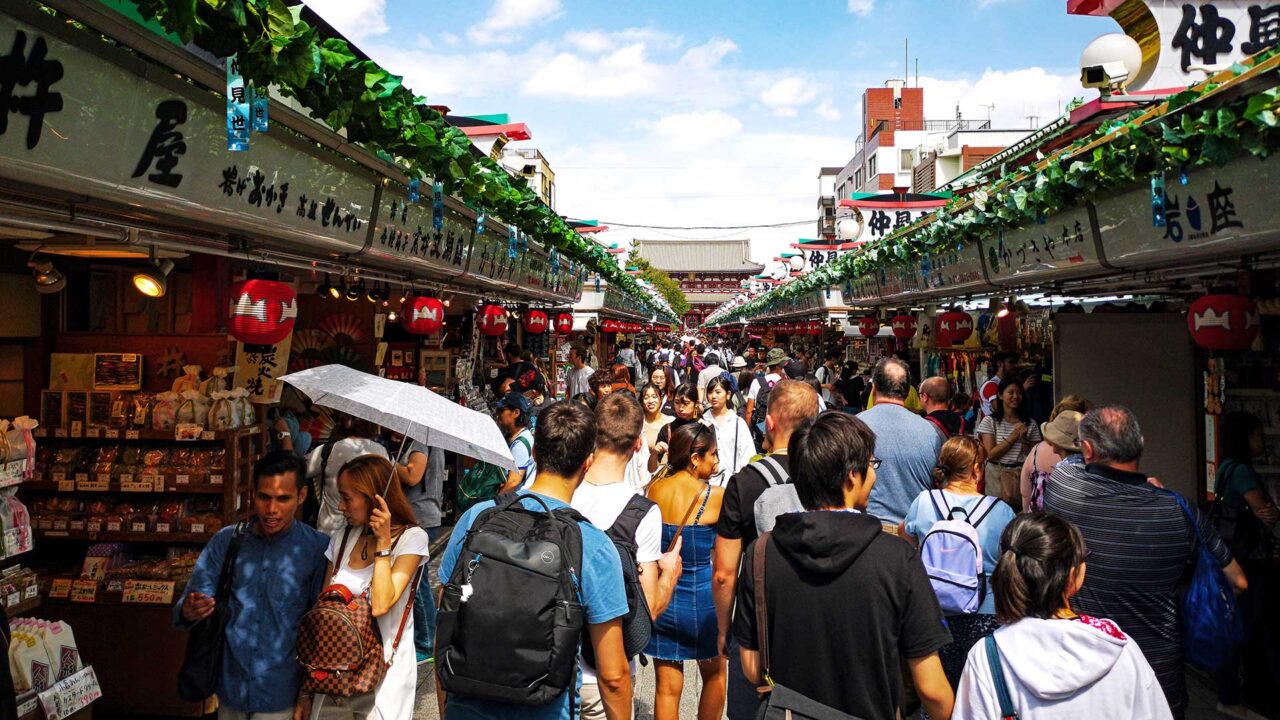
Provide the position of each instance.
(85, 591)
(61, 588)
(30, 592)
(128, 484)
(207, 435)
(101, 483)
(70, 695)
(44, 523)
(215, 479)
(12, 599)
(130, 434)
(113, 527)
(77, 525)
(28, 707)
(162, 527)
(148, 592)
(60, 524)
(182, 479)
(94, 526)
(113, 434)
(60, 433)
(82, 478)
(197, 528)
(77, 429)
(138, 527)
(93, 433)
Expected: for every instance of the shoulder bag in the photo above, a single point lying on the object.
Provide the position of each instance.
(202, 661)
(1212, 627)
(779, 702)
(1007, 710)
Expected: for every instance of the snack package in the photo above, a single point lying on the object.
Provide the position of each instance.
(142, 405)
(248, 413)
(190, 379)
(217, 381)
(29, 662)
(60, 644)
(220, 413)
(164, 413)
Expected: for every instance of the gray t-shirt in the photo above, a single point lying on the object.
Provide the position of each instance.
(907, 446)
(426, 496)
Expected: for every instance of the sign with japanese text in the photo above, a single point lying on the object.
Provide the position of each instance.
(60, 588)
(258, 371)
(861, 288)
(70, 695)
(1226, 211)
(84, 124)
(900, 280)
(1062, 246)
(952, 270)
(405, 231)
(85, 591)
(148, 592)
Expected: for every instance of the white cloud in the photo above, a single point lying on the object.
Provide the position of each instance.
(589, 41)
(356, 19)
(827, 111)
(709, 54)
(508, 16)
(622, 73)
(598, 41)
(862, 8)
(784, 95)
(697, 130)
(1017, 96)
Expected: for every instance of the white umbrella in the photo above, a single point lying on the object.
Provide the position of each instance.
(411, 410)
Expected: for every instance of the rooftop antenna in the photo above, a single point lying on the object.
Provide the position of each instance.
(1035, 121)
(989, 108)
(958, 115)
(917, 72)
(906, 62)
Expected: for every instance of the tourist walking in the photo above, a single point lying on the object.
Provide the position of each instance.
(1007, 434)
(663, 379)
(1053, 662)
(690, 507)
(687, 411)
(1141, 540)
(350, 438)
(378, 553)
(421, 471)
(958, 472)
(652, 399)
(846, 605)
(906, 444)
(1060, 444)
(512, 415)
(1003, 365)
(259, 677)
(575, 378)
(935, 395)
(732, 433)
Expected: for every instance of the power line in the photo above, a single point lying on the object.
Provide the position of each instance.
(612, 224)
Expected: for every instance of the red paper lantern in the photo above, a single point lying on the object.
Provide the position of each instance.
(423, 315)
(492, 320)
(904, 326)
(564, 323)
(954, 327)
(609, 326)
(815, 328)
(535, 321)
(262, 311)
(868, 326)
(1224, 322)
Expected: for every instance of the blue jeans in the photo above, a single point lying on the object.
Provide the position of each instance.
(424, 609)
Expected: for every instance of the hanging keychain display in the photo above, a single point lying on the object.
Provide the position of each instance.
(1157, 201)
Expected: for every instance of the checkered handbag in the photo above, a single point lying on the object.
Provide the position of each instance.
(339, 645)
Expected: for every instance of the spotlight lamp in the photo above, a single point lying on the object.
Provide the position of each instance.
(153, 281)
(48, 279)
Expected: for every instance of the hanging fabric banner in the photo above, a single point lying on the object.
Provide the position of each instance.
(479, 223)
(259, 109)
(415, 190)
(237, 108)
(513, 244)
(437, 206)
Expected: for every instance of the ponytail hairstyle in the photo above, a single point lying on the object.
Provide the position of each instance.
(956, 459)
(1038, 553)
(695, 438)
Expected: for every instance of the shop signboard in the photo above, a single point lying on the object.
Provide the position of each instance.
(1221, 212)
(1062, 247)
(258, 368)
(900, 281)
(491, 257)
(952, 270)
(70, 695)
(863, 288)
(405, 234)
(87, 119)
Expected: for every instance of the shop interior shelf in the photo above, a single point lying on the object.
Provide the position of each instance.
(25, 606)
(142, 434)
(155, 537)
(171, 488)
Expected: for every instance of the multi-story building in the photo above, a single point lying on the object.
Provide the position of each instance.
(710, 272)
(492, 133)
(530, 164)
(827, 202)
(944, 159)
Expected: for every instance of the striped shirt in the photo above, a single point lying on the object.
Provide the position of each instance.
(1142, 547)
(1002, 430)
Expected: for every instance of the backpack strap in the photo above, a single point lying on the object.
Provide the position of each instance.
(1007, 711)
(938, 426)
(628, 521)
(771, 470)
(939, 504)
(989, 502)
(341, 557)
(762, 607)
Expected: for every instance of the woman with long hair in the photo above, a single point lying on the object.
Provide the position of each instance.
(959, 469)
(687, 410)
(1054, 662)
(732, 432)
(622, 378)
(687, 630)
(1007, 434)
(1046, 454)
(663, 378)
(651, 399)
(378, 552)
(350, 438)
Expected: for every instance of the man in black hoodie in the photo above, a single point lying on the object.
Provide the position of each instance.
(846, 601)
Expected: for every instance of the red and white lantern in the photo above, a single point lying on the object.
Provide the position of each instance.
(535, 322)
(904, 326)
(1224, 322)
(564, 323)
(609, 326)
(262, 311)
(954, 327)
(815, 328)
(492, 320)
(423, 315)
(869, 326)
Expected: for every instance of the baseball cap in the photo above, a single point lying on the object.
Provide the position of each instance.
(515, 401)
(776, 356)
(739, 362)
(796, 370)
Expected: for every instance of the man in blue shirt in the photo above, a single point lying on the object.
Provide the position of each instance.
(564, 446)
(279, 572)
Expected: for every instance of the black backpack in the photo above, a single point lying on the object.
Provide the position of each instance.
(762, 402)
(510, 619)
(637, 625)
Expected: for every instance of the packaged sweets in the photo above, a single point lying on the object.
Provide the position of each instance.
(190, 380)
(164, 413)
(221, 413)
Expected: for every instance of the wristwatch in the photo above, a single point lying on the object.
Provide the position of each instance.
(382, 553)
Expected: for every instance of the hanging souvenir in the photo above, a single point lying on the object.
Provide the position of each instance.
(492, 320)
(535, 321)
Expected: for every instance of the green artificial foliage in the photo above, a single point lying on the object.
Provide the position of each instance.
(662, 282)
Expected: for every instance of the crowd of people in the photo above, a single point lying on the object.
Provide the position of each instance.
(815, 540)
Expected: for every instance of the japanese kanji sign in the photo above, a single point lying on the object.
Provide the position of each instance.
(1061, 246)
(257, 371)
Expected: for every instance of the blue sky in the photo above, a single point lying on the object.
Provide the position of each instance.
(708, 112)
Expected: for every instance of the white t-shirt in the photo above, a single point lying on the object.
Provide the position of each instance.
(576, 381)
(826, 376)
(707, 374)
(344, 451)
(638, 475)
(524, 456)
(601, 504)
(754, 392)
(395, 696)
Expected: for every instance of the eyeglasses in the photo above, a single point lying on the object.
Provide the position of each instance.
(875, 463)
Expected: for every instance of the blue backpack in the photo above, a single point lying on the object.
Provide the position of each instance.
(952, 555)
(1212, 628)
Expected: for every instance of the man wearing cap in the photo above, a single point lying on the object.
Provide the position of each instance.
(512, 416)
